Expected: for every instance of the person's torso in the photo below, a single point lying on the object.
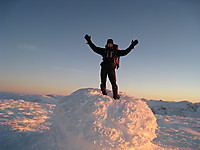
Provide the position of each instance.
(109, 58)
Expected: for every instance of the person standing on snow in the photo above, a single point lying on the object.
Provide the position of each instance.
(110, 56)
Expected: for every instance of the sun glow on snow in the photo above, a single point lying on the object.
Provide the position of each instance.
(25, 116)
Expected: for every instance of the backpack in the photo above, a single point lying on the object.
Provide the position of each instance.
(116, 59)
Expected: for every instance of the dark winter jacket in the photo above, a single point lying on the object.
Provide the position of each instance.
(109, 54)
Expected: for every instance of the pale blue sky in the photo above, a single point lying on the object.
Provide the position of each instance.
(43, 50)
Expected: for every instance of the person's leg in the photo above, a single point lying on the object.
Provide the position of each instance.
(103, 80)
(112, 78)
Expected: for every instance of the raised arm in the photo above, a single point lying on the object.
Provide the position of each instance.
(125, 52)
(96, 49)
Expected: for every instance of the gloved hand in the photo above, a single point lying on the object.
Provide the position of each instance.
(87, 37)
(133, 43)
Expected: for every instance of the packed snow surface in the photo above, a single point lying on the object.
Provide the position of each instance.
(25, 116)
(88, 120)
(105, 122)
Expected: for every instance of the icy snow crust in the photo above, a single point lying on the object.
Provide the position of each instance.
(105, 122)
(21, 115)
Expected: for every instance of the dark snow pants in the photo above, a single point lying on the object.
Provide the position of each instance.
(110, 72)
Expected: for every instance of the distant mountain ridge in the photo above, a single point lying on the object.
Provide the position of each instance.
(183, 108)
(51, 99)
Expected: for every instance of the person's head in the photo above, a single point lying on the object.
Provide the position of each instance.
(109, 43)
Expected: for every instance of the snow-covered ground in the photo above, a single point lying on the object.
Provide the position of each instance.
(88, 120)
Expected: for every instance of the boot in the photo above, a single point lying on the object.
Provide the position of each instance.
(116, 97)
(115, 92)
(103, 89)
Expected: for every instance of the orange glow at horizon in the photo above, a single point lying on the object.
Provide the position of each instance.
(58, 87)
(39, 91)
(67, 91)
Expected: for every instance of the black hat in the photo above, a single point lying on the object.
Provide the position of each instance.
(109, 41)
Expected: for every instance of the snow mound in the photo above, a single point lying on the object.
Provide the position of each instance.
(103, 122)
